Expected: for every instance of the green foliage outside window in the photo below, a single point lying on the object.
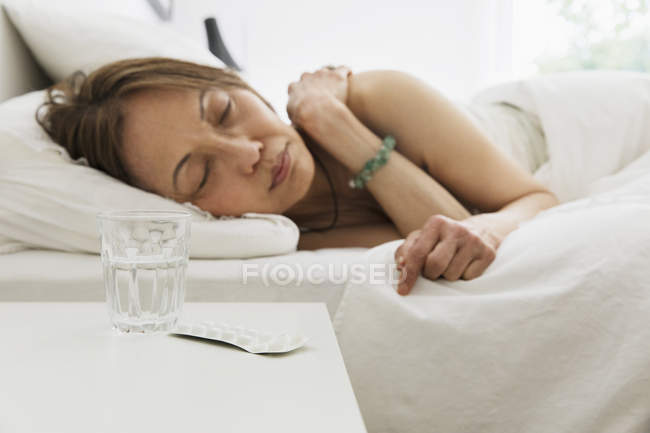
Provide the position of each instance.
(608, 34)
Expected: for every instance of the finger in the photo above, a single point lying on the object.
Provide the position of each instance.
(403, 284)
(344, 71)
(293, 100)
(438, 260)
(399, 260)
(417, 254)
(291, 103)
(469, 247)
(461, 259)
(475, 268)
(406, 247)
(400, 253)
(399, 256)
(290, 108)
(479, 265)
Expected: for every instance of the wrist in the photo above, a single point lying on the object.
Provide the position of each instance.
(373, 164)
(350, 141)
(510, 217)
(321, 118)
(491, 227)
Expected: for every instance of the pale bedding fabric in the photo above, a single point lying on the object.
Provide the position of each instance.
(41, 211)
(516, 132)
(595, 123)
(555, 335)
(42, 275)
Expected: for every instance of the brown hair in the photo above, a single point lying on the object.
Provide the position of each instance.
(85, 113)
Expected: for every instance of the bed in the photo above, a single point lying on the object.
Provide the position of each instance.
(20, 72)
(554, 337)
(47, 275)
(50, 275)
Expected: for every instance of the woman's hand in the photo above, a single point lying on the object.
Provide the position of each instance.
(448, 248)
(315, 94)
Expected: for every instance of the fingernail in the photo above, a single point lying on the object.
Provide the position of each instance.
(400, 260)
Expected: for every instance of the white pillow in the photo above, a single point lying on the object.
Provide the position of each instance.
(65, 39)
(47, 200)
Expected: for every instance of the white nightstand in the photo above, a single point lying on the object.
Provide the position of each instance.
(62, 369)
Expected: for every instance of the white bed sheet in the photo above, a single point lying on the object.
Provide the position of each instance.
(44, 275)
(553, 337)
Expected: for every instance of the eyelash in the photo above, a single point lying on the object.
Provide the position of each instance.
(208, 162)
(226, 112)
(206, 176)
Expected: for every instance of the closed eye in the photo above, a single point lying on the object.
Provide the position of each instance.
(226, 111)
(206, 175)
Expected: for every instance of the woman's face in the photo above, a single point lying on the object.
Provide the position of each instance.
(214, 148)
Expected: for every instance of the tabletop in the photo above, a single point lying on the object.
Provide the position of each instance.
(62, 369)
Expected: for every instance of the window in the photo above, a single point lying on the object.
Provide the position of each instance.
(562, 35)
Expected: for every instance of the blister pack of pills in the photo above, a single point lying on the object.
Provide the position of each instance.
(251, 340)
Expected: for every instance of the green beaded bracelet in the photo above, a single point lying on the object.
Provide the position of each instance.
(373, 164)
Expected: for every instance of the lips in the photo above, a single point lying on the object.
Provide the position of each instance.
(281, 168)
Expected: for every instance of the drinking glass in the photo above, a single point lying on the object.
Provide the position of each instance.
(144, 256)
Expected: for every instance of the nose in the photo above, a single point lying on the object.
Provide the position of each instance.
(244, 154)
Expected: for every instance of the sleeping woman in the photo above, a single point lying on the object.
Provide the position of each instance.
(368, 158)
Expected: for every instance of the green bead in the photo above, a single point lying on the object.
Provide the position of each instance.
(373, 164)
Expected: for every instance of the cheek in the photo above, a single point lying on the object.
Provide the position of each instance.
(304, 169)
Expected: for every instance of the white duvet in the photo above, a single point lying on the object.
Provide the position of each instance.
(555, 335)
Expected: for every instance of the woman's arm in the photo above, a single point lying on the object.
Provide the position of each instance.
(431, 133)
(453, 249)
(406, 192)
(500, 223)
(435, 134)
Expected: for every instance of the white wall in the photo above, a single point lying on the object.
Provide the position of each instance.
(457, 46)
(134, 8)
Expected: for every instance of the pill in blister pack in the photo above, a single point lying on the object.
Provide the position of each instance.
(251, 340)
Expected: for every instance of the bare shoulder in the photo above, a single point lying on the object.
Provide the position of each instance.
(397, 103)
(366, 88)
(436, 135)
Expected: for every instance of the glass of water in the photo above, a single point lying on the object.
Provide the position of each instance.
(144, 256)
